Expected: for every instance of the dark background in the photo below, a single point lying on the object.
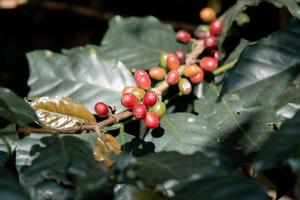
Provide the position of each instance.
(43, 24)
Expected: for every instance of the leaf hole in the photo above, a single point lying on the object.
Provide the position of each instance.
(270, 124)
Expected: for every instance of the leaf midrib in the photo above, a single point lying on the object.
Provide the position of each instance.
(230, 111)
(177, 133)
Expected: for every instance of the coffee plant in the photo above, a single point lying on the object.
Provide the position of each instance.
(156, 114)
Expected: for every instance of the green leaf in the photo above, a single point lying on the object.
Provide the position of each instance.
(237, 51)
(130, 39)
(219, 125)
(93, 186)
(80, 73)
(281, 146)
(14, 109)
(24, 145)
(271, 61)
(127, 192)
(232, 13)
(3, 158)
(123, 192)
(8, 138)
(231, 187)
(157, 168)
(10, 188)
(61, 163)
(182, 132)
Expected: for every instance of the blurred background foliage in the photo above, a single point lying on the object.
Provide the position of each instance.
(56, 24)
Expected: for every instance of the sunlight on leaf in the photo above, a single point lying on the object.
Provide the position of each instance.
(61, 112)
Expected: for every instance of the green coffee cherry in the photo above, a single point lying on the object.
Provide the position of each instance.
(163, 59)
(159, 109)
(185, 86)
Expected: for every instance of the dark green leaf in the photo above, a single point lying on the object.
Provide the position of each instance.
(127, 192)
(232, 13)
(160, 167)
(3, 158)
(281, 146)
(123, 192)
(225, 123)
(271, 61)
(62, 163)
(138, 42)
(8, 138)
(237, 51)
(80, 73)
(14, 109)
(182, 132)
(93, 186)
(24, 145)
(10, 188)
(230, 187)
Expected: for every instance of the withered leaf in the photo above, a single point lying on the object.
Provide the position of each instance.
(105, 146)
(61, 112)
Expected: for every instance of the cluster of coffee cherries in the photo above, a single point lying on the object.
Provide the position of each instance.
(145, 102)
(209, 34)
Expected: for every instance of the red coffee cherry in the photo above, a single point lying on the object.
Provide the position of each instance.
(198, 77)
(129, 100)
(210, 42)
(172, 61)
(208, 63)
(183, 36)
(151, 120)
(150, 98)
(207, 14)
(140, 72)
(139, 111)
(173, 77)
(157, 73)
(215, 27)
(185, 86)
(191, 70)
(101, 109)
(142, 79)
(181, 55)
(215, 54)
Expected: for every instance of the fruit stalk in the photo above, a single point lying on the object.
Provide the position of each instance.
(197, 49)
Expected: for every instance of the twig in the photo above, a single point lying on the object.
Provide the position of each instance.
(225, 67)
(76, 129)
(197, 49)
(100, 14)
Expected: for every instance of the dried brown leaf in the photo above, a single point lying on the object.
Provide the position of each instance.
(105, 146)
(61, 112)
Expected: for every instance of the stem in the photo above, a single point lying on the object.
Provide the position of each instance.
(225, 67)
(101, 15)
(197, 49)
(112, 128)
